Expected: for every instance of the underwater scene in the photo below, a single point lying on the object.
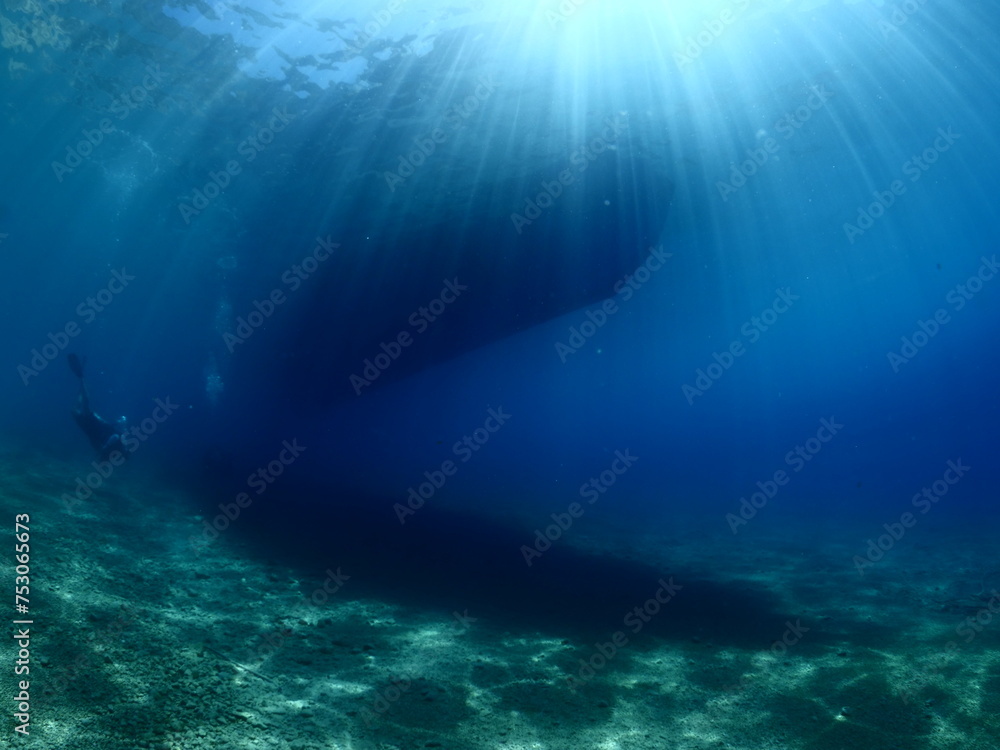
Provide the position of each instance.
(525, 375)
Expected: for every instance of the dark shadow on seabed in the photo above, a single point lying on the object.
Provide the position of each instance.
(451, 561)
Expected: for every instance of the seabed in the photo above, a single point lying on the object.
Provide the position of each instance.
(140, 641)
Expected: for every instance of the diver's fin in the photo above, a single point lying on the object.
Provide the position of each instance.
(76, 365)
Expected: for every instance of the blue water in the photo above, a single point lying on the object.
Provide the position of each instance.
(730, 269)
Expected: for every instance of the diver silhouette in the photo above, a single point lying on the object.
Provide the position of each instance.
(105, 436)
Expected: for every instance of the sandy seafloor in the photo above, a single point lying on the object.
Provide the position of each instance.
(138, 643)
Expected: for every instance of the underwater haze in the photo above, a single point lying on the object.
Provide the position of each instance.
(534, 375)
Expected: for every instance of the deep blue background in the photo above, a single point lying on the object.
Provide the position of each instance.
(892, 90)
